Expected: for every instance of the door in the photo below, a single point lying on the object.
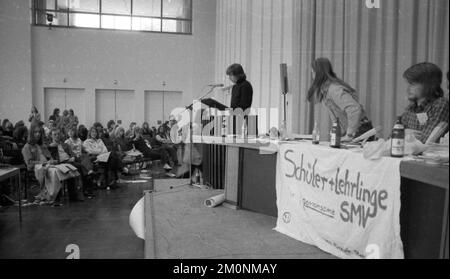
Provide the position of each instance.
(54, 98)
(125, 107)
(160, 104)
(117, 105)
(65, 99)
(75, 101)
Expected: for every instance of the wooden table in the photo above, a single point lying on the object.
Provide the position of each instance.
(10, 173)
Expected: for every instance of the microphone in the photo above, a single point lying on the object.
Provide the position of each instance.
(216, 85)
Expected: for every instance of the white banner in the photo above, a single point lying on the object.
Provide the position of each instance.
(340, 202)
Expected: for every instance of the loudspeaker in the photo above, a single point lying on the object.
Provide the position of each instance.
(284, 79)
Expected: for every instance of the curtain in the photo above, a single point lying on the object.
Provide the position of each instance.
(370, 49)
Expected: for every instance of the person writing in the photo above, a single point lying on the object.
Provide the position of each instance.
(428, 107)
(340, 100)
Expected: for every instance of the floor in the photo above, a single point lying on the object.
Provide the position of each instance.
(99, 227)
(185, 228)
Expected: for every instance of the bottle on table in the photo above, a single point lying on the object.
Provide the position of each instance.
(223, 126)
(335, 135)
(398, 139)
(316, 134)
(282, 131)
(244, 129)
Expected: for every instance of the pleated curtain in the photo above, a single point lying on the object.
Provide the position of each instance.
(369, 48)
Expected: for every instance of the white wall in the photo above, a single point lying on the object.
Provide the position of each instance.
(15, 59)
(93, 59)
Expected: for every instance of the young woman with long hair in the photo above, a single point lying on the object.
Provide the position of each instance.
(339, 98)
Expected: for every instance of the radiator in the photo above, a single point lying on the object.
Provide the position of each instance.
(214, 166)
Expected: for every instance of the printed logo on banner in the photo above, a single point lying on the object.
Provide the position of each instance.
(287, 217)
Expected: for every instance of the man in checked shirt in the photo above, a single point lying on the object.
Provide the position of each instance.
(427, 115)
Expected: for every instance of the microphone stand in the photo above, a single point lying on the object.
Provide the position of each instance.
(191, 135)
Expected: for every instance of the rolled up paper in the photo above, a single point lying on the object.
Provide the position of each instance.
(368, 134)
(215, 201)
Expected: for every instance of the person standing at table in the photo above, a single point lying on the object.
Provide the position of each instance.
(241, 90)
(340, 100)
(428, 108)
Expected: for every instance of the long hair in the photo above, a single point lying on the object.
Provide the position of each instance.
(118, 130)
(429, 76)
(237, 71)
(32, 139)
(83, 132)
(93, 128)
(324, 74)
(74, 130)
(5, 123)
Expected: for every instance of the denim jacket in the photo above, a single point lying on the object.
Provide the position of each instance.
(343, 104)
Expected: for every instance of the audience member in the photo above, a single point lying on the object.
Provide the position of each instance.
(34, 115)
(163, 142)
(122, 143)
(85, 166)
(61, 153)
(147, 133)
(130, 132)
(38, 159)
(55, 117)
(83, 133)
(20, 134)
(94, 146)
(8, 128)
(111, 128)
(146, 149)
(73, 120)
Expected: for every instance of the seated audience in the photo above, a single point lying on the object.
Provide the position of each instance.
(10, 152)
(55, 117)
(38, 159)
(94, 146)
(146, 149)
(73, 119)
(61, 153)
(8, 129)
(428, 109)
(85, 166)
(130, 132)
(162, 141)
(147, 133)
(20, 134)
(109, 143)
(64, 124)
(111, 128)
(122, 143)
(83, 132)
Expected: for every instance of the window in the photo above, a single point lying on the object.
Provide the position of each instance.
(169, 16)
